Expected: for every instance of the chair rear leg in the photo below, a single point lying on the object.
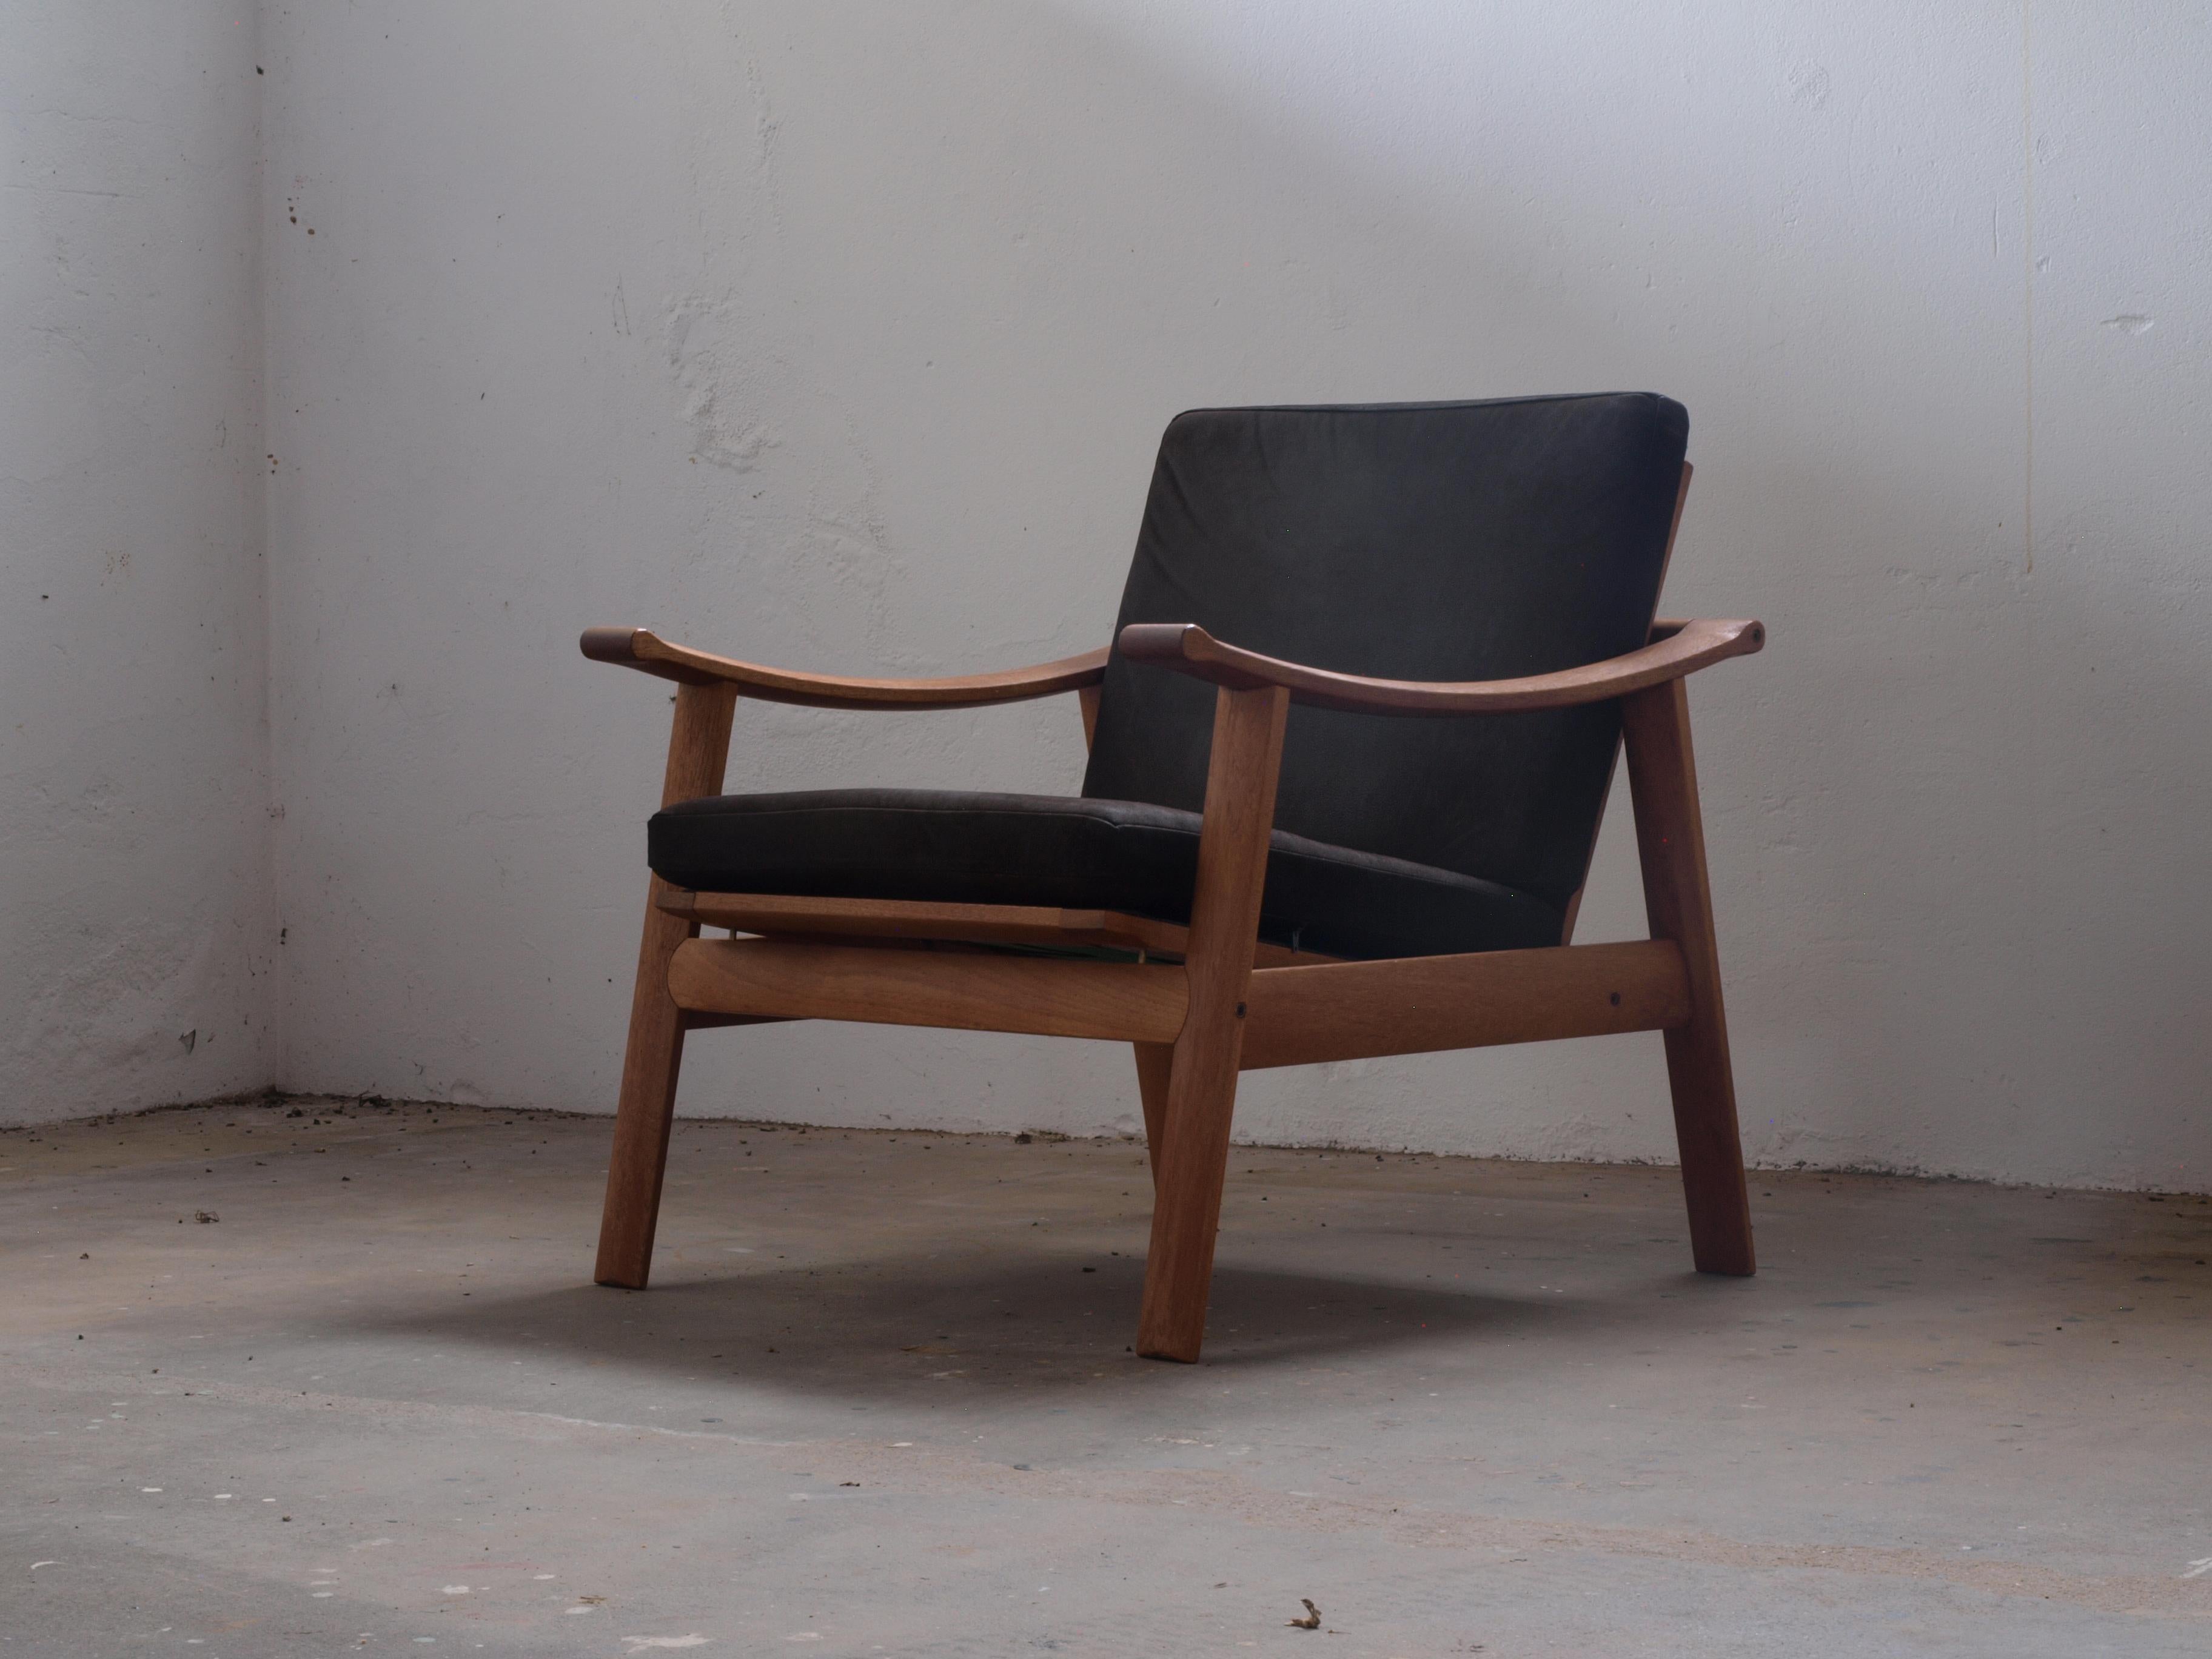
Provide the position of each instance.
(698, 753)
(1670, 840)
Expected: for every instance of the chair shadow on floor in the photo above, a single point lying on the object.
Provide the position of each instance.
(874, 1329)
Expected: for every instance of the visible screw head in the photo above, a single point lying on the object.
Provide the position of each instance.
(1240, 1011)
(1616, 998)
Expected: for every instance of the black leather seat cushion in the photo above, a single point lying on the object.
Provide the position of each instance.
(1077, 853)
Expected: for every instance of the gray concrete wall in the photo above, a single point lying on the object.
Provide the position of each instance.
(840, 335)
(137, 935)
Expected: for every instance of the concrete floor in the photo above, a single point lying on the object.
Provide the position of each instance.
(336, 1381)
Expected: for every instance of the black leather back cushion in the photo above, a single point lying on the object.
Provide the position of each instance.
(1463, 541)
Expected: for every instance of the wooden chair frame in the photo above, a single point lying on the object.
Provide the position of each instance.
(1203, 1003)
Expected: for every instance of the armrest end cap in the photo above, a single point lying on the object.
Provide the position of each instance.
(609, 644)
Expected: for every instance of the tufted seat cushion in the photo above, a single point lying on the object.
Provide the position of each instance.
(1075, 852)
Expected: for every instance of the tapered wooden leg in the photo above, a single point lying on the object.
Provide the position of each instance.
(1155, 1062)
(698, 752)
(1670, 839)
(1193, 1159)
(646, 1108)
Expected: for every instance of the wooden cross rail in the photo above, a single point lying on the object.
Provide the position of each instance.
(1293, 1015)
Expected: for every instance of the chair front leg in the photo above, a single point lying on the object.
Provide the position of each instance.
(1670, 840)
(698, 753)
(1191, 1156)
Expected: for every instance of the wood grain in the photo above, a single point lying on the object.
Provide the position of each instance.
(1186, 648)
(1155, 1066)
(698, 753)
(1232, 869)
(1574, 905)
(950, 989)
(1420, 1004)
(1670, 842)
(646, 651)
(779, 915)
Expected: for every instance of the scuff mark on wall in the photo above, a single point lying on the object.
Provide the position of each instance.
(765, 130)
(713, 382)
(812, 507)
(1808, 85)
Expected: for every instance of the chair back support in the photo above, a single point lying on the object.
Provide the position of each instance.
(1462, 541)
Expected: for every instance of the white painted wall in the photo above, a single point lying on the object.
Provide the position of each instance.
(841, 335)
(137, 929)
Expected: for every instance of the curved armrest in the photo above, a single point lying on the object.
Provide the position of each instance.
(642, 649)
(1679, 648)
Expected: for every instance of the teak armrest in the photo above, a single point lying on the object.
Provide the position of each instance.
(1678, 648)
(642, 649)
